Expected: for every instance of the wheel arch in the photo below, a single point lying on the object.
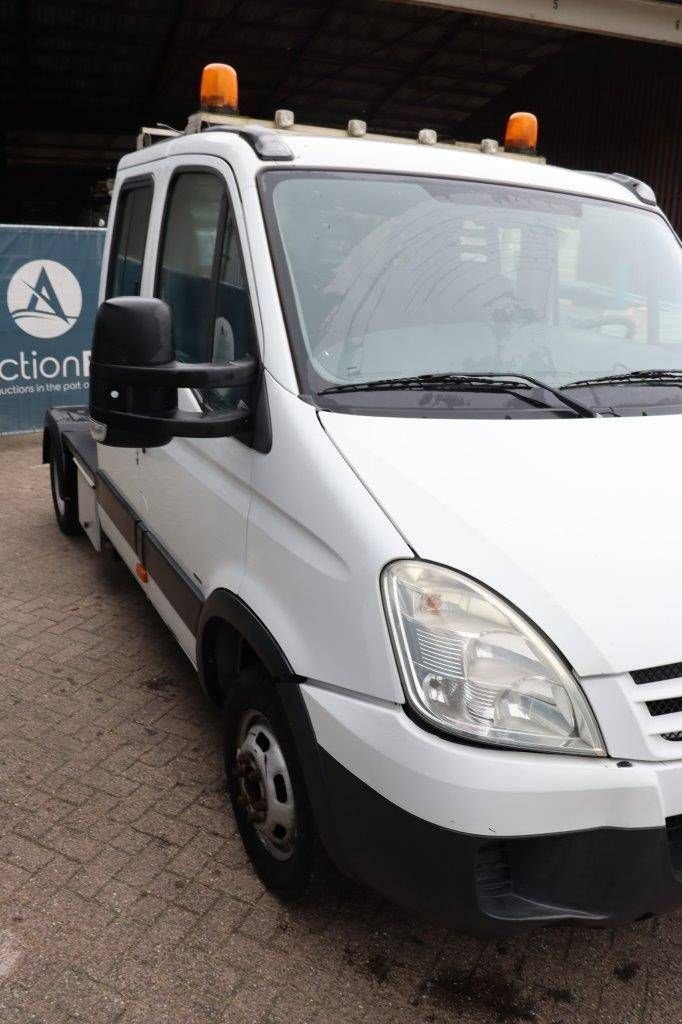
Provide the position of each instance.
(54, 447)
(230, 636)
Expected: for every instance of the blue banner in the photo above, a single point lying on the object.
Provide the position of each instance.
(49, 280)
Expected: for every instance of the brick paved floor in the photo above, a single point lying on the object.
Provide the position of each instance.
(124, 893)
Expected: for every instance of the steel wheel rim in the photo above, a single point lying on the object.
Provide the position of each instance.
(264, 788)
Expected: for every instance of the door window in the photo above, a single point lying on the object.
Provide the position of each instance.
(233, 330)
(129, 240)
(202, 278)
(186, 268)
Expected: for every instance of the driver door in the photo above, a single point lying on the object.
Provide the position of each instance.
(197, 491)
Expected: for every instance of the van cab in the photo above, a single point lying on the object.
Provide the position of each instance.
(387, 431)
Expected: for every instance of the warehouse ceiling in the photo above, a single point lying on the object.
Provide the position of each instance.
(78, 78)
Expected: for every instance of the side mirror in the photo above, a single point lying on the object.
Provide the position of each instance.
(134, 379)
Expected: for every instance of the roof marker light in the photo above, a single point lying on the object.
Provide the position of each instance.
(490, 146)
(219, 89)
(284, 119)
(357, 128)
(427, 137)
(521, 135)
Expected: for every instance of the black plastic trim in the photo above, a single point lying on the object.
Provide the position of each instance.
(81, 444)
(172, 581)
(227, 607)
(183, 375)
(59, 421)
(170, 578)
(122, 515)
(179, 423)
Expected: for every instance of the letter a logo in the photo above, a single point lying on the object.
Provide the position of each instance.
(44, 298)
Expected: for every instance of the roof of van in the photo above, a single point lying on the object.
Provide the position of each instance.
(338, 151)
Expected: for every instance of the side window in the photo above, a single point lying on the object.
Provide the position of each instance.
(129, 240)
(185, 275)
(233, 330)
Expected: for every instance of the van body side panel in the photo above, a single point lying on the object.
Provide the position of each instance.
(317, 542)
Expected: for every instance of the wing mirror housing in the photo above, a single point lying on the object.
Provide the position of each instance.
(134, 379)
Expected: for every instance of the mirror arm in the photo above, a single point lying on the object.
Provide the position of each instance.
(182, 424)
(179, 375)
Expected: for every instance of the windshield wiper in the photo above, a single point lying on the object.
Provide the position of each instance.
(503, 382)
(656, 377)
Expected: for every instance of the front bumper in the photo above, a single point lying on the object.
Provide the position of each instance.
(487, 886)
(490, 841)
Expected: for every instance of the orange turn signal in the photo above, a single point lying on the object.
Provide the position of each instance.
(521, 135)
(219, 90)
(142, 573)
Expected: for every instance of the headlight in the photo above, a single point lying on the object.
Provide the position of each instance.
(472, 666)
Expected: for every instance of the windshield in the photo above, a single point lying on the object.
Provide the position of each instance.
(393, 276)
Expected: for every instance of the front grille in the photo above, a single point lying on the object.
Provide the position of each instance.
(657, 675)
(665, 706)
(674, 829)
(649, 701)
(660, 704)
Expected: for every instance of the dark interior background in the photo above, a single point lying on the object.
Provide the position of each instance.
(79, 77)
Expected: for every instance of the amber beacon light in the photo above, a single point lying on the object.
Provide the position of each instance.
(219, 91)
(521, 135)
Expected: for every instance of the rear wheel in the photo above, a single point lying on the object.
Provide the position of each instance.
(65, 509)
(266, 787)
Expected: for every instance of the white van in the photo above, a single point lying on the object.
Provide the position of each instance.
(388, 432)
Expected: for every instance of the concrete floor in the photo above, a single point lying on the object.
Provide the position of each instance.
(124, 892)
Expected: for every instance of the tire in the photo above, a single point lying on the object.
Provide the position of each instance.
(266, 788)
(65, 509)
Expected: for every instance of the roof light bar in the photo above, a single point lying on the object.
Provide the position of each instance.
(427, 137)
(357, 128)
(521, 135)
(284, 119)
(219, 89)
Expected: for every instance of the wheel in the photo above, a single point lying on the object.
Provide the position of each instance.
(65, 509)
(266, 787)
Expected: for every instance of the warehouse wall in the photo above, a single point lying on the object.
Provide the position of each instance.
(605, 105)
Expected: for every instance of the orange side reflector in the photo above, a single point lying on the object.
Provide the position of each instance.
(219, 90)
(142, 573)
(521, 135)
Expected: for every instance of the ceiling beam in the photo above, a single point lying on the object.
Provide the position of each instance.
(299, 51)
(407, 76)
(165, 46)
(653, 21)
